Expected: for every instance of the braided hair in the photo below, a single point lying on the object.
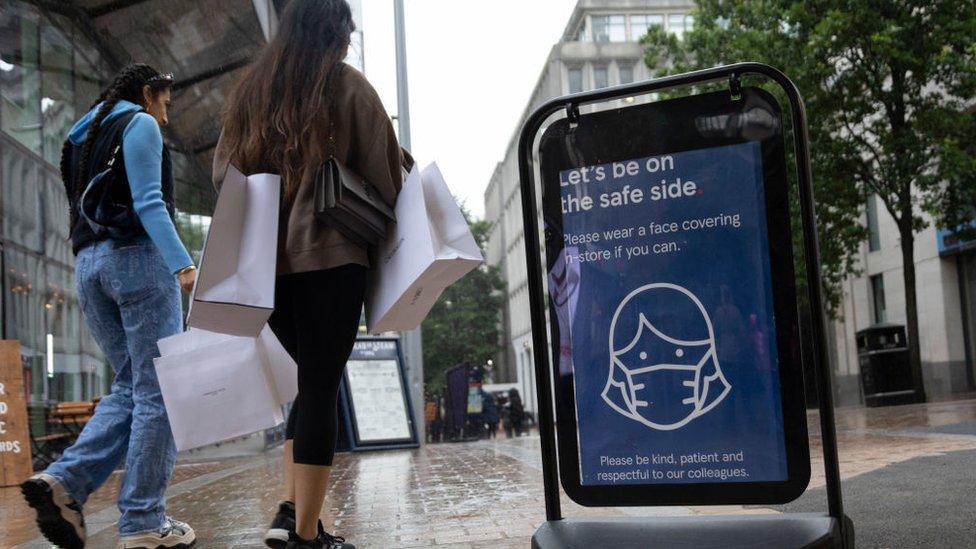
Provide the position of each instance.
(128, 85)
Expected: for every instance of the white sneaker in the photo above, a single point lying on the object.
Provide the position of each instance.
(172, 535)
(59, 516)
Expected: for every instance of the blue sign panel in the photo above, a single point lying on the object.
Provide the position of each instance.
(950, 242)
(673, 308)
(676, 374)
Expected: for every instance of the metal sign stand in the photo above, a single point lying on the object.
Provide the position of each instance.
(833, 529)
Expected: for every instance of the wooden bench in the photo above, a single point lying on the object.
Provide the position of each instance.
(62, 423)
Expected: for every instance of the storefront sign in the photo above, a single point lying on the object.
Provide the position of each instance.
(379, 409)
(15, 450)
(671, 282)
(951, 242)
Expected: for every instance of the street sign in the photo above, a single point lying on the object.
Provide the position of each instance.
(670, 272)
(378, 405)
(669, 308)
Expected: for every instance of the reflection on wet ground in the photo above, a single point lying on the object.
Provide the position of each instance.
(476, 494)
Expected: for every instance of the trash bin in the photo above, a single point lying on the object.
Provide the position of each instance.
(886, 371)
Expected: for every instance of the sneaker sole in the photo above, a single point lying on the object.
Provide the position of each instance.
(276, 538)
(55, 528)
(159, 546)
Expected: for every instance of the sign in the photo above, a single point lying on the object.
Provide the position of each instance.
(951, 242)
(380, 409)
(672, 294)
(15, 449)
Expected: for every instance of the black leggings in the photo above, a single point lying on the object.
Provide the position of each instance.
(316, 318)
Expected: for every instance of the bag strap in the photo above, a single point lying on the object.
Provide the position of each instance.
(333, 81)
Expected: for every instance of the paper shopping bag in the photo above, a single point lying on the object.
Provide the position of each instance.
(217, 387)
(234, 293)
(429, 248)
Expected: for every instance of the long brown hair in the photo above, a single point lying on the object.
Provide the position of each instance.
(277, 114)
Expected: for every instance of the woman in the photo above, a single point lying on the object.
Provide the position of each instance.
(278, 121)
(129, 292)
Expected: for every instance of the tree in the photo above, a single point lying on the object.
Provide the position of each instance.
(887, 84)
(464, 324)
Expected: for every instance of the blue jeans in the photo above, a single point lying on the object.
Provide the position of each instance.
(130, 301)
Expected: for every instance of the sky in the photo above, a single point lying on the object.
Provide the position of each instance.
(471, 68)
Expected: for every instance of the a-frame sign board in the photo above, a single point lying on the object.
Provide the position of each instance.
(672, 344)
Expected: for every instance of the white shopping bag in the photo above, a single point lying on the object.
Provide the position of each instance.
(217, 386)
(234, 293)
(429, 248)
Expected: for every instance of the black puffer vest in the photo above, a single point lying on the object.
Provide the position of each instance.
(109, 136)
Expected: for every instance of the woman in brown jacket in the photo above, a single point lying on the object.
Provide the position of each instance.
(278, 121)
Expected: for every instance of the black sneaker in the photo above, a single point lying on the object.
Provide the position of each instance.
(59, 516)
(281, 526)
(322, 541)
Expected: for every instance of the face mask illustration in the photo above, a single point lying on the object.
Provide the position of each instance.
(664, 370)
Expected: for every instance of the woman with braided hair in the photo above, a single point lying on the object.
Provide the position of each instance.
(129, 289)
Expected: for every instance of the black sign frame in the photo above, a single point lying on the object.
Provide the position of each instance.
(356, 443)
(589, 141)
(819, 361)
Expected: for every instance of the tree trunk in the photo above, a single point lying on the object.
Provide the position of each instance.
(911, 305)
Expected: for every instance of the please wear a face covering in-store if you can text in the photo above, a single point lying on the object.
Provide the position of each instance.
(664, 303)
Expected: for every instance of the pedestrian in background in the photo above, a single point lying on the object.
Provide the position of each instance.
(516, 413)
(128, 284)
(491, 416)
(295, 107)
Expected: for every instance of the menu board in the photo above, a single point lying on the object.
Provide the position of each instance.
(379, 404)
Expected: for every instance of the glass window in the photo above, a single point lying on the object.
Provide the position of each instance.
(575, 80)
(61, 334)
(609, 28)
(600, 77)
(88, 83)
(57, 90)
(626, 71)
(678, 24)
(22, 217)
(24, 310)
(880, 311)
(20, 102)
(874, 235)
(640, 23)
(54, 201)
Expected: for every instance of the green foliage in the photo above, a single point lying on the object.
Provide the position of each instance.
(887, 85)
(464, 325)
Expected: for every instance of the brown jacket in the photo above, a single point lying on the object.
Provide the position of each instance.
(366, 144)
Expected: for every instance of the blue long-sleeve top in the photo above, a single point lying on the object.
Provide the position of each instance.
(142, 149)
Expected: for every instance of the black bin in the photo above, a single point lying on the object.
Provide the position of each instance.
(886, 372)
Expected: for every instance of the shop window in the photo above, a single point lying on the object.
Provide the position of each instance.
(20, 101)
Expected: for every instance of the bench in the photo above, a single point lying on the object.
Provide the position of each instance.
(61, 423)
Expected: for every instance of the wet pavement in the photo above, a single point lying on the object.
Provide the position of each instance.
(489, 493)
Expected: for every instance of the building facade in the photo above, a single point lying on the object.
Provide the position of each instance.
(55, 58)
(945, 269)
(598, 48)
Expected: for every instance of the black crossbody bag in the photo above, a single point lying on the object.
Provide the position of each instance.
(345, 201)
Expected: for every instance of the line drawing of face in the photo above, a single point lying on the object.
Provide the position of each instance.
(656, 378)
